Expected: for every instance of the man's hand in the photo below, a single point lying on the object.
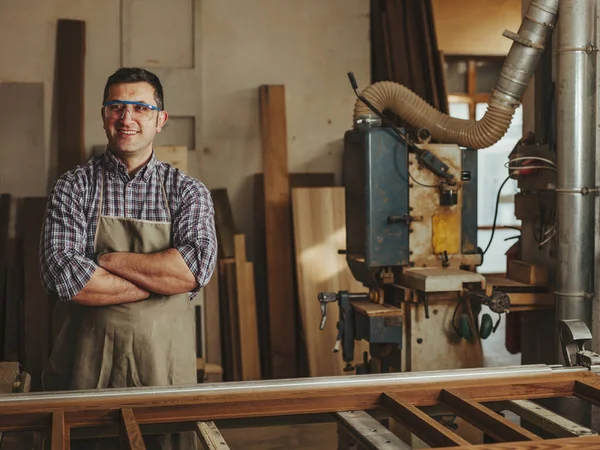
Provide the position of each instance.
(105, 288)
(164, 273)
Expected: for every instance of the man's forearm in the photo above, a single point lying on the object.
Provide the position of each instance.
(164, 273)
(105, 288)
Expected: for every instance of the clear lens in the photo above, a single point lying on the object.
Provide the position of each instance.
(138, 112)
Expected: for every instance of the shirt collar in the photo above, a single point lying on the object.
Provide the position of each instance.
(114, 166)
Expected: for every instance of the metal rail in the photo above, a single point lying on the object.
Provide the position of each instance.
(387, 380)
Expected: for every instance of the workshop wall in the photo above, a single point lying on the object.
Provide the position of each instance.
(212, 68)
(466, 27)
(236, 46)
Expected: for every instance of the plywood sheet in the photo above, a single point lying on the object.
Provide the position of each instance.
(319, 232)
(22, 143)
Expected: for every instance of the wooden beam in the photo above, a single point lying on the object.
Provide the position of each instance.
(130, 433)
(70, 76)
(424, 427)
(210, 437)
(61, 439)
(282, 321)
(588, 391)
(485, 419)
(368, 432)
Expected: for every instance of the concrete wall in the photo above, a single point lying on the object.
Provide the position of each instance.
(211, 59)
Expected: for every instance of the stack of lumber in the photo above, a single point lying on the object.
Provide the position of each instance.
(25, 309)
(233, 286)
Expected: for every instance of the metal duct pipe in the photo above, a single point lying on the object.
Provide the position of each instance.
(576, 123)
(519, 66)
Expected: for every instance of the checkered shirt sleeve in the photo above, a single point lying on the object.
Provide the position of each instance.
(65, 269)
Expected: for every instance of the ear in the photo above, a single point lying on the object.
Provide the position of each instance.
(103, 118)
(163, 116)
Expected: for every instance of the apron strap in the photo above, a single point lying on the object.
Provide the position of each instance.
(100, 202)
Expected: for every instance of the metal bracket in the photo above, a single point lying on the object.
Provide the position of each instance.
(521, 40)
(574, 334)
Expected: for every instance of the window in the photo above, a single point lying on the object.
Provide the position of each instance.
(470, 81)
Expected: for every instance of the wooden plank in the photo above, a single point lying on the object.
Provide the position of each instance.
(9, 375)
(229, 320)
(69, 82)
(130, 433)
(587, 443)
(370, 309)
(13, 349)
(176, 155)
(282, 320)
(368, 432)
(224, 223)
(213, 319)
(260, 258)
(429, 430)
(210, 437)
(485, 419)
(547, 420)
(246, 308)
(61, 439)
(22, 139)
(527, 273)
(35, 328)
(5, 202)
(588, 391)
(273, 398)
(3, 292)
(319, 232)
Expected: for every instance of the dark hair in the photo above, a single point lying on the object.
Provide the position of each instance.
(136, 75)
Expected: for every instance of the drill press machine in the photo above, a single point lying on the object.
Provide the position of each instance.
(411, 239)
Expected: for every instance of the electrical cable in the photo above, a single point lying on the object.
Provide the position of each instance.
(495, 215)
(530, 167)
(536, 158)
(422, 184)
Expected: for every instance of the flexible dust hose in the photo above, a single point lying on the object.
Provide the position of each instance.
(519, 65)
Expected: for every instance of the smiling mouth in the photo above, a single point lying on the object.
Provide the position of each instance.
(127, 132)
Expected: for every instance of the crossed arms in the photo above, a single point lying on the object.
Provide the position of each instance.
(128, 277)
(123, 277)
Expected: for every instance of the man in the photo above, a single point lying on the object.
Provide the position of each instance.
(127, 240)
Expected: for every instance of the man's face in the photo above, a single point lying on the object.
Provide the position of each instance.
(127, 134)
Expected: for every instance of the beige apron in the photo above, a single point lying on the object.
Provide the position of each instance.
(146, 343)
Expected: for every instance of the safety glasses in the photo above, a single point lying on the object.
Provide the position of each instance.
(138, 110)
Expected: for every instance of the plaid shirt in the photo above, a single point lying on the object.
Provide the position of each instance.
(72, 214)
